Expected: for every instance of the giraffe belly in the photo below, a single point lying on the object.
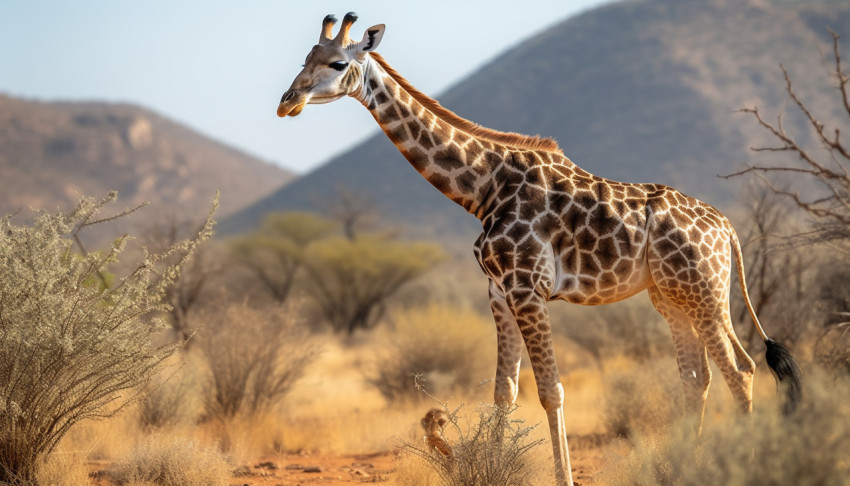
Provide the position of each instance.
(601, 288)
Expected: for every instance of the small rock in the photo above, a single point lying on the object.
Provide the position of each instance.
(267, 465)
(312, 469)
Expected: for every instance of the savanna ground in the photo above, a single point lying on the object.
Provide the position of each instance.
(336, 428)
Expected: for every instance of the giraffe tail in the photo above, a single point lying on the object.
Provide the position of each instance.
(780, 360)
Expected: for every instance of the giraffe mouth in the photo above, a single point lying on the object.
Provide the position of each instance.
(284, 110)
(291, 103)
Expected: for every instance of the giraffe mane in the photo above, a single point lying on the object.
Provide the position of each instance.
(517, 140)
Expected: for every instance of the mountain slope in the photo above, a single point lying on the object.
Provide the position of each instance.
(642, 91)
(52, 152)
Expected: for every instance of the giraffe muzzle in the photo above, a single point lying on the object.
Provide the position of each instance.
(291, 103)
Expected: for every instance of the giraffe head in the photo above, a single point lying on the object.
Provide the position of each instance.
(333, 69)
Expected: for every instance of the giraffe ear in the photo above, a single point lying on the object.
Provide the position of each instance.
(370, 41)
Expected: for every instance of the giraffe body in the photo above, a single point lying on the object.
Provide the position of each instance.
(553, 231)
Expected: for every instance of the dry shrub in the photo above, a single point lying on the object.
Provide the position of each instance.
(169, 461)
(170, 400)
(74, 338)
(246, 437)
(254, 358)
(807, 448)
(630, 328)
(640, 396)
(832, 350)
(496, 450)
(451, 348)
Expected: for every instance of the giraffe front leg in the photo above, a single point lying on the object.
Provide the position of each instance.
(509, 351)
(532, 317)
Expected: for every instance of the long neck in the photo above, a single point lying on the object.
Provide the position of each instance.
(455, 155)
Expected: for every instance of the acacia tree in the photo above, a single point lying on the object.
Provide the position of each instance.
(275, 252)
(350, 280)
(829, 207)
(73, 342)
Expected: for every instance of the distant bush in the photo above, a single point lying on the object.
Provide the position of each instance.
(630, 328)
(449, 347)
(642, 397)
(254, 358)
(73, 337)
(168, 401)
(493, 451)
(163, 461)
(807, 448)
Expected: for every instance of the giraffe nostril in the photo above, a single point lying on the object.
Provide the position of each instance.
(287, 96)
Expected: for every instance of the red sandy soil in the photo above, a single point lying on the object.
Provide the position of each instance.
(308, 469)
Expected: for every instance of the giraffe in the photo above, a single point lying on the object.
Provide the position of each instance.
(553, 231)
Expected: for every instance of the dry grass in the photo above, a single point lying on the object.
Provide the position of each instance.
(808, 448)
(640, 396)
(63, 468)
(452, 348)
(172, 461)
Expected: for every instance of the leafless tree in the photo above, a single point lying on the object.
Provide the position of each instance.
(828, 171)
(776, 271)
(829, 206)
(354, 212)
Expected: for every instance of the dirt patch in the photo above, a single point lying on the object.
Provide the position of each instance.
(334, 470)
(295, 469)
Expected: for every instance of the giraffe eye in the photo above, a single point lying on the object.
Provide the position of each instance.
(338, 65)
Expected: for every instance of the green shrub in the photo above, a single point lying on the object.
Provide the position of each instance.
(73, 338)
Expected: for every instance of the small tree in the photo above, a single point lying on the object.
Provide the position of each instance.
(351, 280)
(73, 339)
(275, 253)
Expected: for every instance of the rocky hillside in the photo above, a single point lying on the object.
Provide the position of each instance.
(52, 152)
(643, 90)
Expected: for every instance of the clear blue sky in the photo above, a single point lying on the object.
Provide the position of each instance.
(221, 66)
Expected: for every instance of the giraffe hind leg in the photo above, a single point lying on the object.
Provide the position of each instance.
(690, 354)
(714, 327)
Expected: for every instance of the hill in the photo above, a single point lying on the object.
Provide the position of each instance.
(50, 152)
(643, 91)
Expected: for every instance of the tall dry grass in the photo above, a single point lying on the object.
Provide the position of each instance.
(808, 447)
(172, 461)
(452, 348)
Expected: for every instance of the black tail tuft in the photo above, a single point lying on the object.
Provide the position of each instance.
(787, 373)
